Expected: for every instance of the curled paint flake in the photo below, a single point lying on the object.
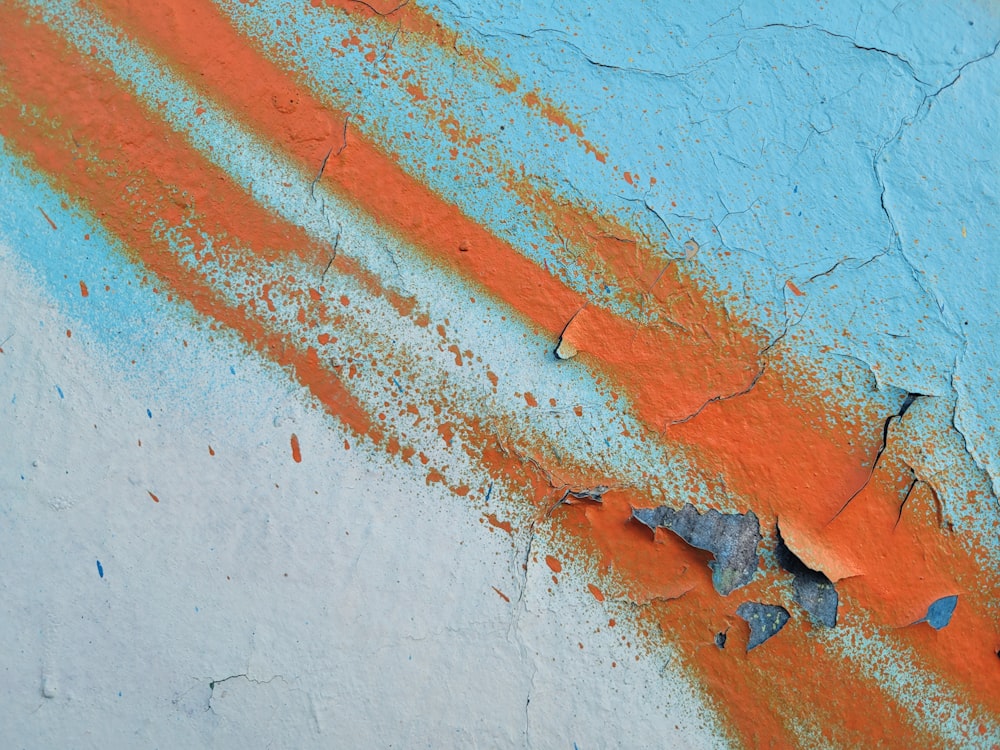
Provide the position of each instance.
(813, 591)
(731, 537)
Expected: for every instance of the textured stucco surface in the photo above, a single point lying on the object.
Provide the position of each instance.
(346, 350)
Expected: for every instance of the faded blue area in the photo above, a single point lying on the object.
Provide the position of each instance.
(127, 319)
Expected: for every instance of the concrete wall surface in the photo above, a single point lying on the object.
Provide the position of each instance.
(519, 374)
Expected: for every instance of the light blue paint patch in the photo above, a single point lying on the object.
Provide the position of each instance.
(232, 370)
(120, 320)
(59, 390)
(941, 188)
(100, 569)
(940, 612)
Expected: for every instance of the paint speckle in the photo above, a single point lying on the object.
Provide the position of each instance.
(100, 569)
(84, 292)
(296, 450)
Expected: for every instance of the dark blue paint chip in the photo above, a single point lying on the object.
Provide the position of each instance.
(940, 612)
(100, 569)
(149, 413)
(765, 620)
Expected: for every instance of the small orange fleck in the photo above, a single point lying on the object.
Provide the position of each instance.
(296, 450)
(211, 451)
(83, 289)
(530, 400)
(69, 334)
(794, 289)
(502, 594)
(155, 498)
(554, 564)
(596, 592)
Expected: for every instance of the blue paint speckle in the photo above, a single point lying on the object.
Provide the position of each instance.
(149, 413)
(100, 569)
(59, 390)
(232, 370)
(940, 612)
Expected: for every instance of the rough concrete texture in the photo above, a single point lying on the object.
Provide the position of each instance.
(351, 352)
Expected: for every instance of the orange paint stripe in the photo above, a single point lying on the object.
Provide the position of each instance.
(30, 53)
(201, 40)
(666, 373)
(899, 570)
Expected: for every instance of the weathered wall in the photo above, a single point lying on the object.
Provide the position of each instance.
(529, 374)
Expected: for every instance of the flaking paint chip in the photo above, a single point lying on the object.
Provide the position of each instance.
(765, 621)
(731, 537)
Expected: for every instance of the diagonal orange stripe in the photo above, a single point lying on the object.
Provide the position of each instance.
(772, 443)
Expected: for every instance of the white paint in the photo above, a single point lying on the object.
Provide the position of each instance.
(333, 603)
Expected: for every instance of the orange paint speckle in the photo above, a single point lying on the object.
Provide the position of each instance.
(494, 521)
(596, 592)
(84, 292)
(794, 289)
(155, 498)
(296, 451)
(553, 563)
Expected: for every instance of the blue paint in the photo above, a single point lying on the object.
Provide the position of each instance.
(59, 390)
(149, 413)
(232, 370)
(940, 612)
(489, 492)
(100, 569)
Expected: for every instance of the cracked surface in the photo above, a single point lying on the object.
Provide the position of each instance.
(510, 282)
